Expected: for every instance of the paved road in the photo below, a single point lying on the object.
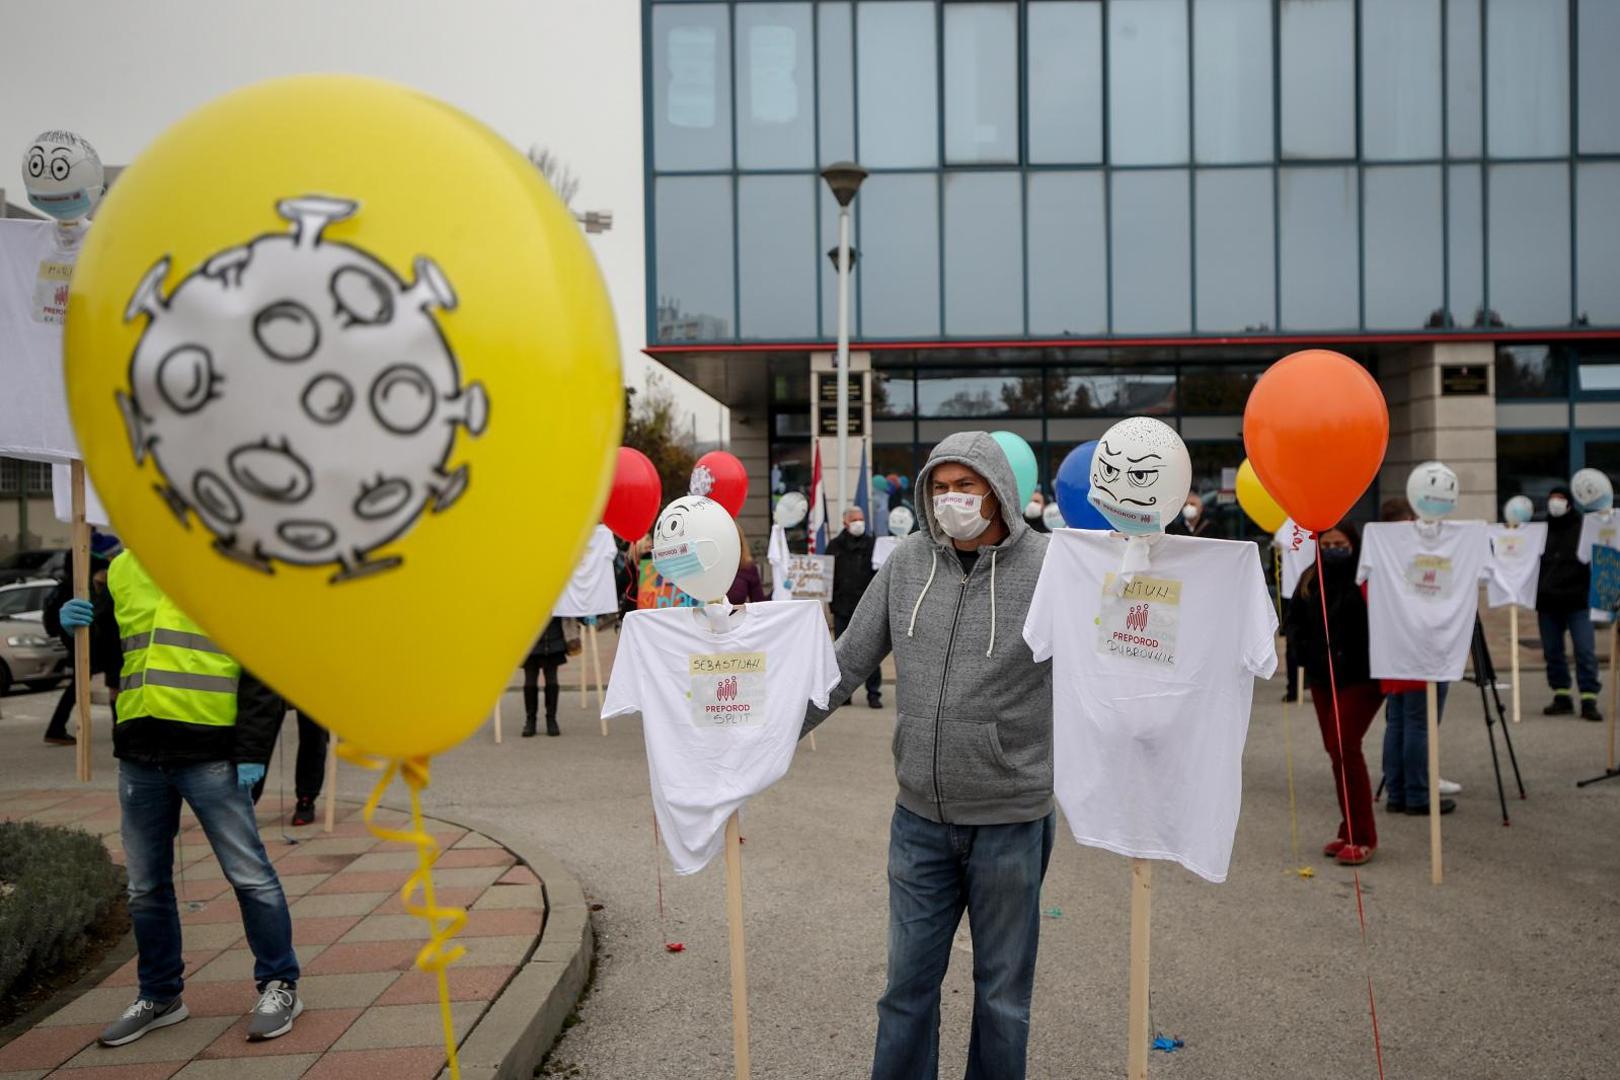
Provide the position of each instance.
(1510, 970)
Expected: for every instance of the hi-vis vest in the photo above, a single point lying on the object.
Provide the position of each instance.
(171, 670)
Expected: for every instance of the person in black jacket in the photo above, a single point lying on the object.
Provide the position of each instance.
(550, 651)
(106, 652)
(1343, 642)
(852, 573)
(309, 774)
(1563, 606)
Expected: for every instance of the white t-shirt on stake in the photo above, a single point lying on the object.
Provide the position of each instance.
(1298, 553)
(1422, 596)
(592, 590)
(36, 263)
(721, 713)
(882, 548)
(1601, 529)
(1151, 690)
(1515, 564)
(776, 553)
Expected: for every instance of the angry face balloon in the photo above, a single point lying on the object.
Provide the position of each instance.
(299, 397)
(695, 545)
(1432, 490)
(1140, 475)
(63, 175)
(1592, 490)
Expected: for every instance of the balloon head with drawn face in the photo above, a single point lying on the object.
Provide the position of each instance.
(1592, 490)
(1432, 490)
(790, 509)
(695, 546)
(1518, 510)
(1140, 475)
(901, 521)
(63, 175)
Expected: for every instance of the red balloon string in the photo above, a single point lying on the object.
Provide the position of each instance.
(658, 868)
(1349, 821)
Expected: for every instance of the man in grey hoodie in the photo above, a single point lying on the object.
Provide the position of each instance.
(973, 825)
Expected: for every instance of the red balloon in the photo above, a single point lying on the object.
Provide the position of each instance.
(632, 505)
(1316, 428)
(721, 477)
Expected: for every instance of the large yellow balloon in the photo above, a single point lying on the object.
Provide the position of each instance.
(345, 375)
(1256, 502)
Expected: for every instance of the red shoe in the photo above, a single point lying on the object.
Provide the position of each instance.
(1355, 854)
(1332, 848)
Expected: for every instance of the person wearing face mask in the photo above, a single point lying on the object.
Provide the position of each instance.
(1345, 665)
(1562, 608)
(973, 823)
(852, 573)
(1035, 512)
(1192, 521)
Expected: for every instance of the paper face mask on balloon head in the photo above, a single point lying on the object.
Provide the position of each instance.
(1432, 490)
(63, 175)
(1592, 490)
(901, 521)
(1518, 510)
(1140, 475)
(695, 546)
(790, 509)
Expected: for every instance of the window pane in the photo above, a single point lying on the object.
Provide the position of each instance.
(774, 87)
(1318, 79)
(1232, 80)
(1599, 76)
(984, 253)
(1147, 82)
(981, 83)
(1133, 393)
(1065, 82)
(977, 393)
(1404, 277)
(1527, 63)
(1217, 390)
(696, 287)
(1599, 378)
(1317, 217)
(1463, 99)
(1532, 371)
(837, 77)
(691, 87)
(1400, 79)
(899, 268)
(899, 95)
(1467, 239)
(1597, 250)
(893, 395)
(1150, 234)
(1531, 463)
(1529, 244)
(1236, 260)
(777, 256)
(1068, 269)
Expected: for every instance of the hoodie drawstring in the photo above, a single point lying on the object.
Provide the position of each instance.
(918, 605)
(992, 647)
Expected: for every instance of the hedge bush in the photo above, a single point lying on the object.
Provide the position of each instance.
(55, 884)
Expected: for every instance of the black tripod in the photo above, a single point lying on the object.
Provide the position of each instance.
(1485, 675)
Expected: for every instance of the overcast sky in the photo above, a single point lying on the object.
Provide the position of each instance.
(564, 74)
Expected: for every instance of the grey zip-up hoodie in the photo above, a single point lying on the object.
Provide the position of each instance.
(973, 743)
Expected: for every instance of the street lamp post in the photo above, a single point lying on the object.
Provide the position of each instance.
(844, 178)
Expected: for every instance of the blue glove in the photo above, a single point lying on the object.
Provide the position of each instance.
(77, 613)
(248, 775)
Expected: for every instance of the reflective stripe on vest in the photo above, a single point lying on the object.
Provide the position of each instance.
(172, 671)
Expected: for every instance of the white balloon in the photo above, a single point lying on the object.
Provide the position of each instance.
(1140, 475)
(791, 509)
(1592, 490)
(63, 175)
(901, 521)
(1432, 490)
(695, 546)
(1518, 509)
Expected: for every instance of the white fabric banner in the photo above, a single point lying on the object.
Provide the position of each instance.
(62, 497)
(36, 261)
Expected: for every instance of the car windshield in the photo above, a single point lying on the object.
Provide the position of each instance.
(27, 598)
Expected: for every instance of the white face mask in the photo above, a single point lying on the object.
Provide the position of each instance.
(856, 528)
(959, 515)
(1190, 512)
(1557, 506)
(1033, 510)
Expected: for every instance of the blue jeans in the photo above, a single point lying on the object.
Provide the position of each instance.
(1406, 746)
(936, 872)
(1579, 626)
(149, 796)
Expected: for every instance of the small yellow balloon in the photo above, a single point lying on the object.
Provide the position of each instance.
(1256, 502)
(345, 375)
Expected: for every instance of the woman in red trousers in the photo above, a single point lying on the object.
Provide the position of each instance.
(1359, 695)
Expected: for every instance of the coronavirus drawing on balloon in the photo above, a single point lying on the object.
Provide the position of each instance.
(299, 397)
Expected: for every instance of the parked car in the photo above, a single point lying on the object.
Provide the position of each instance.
(28, 655)
(35, 565)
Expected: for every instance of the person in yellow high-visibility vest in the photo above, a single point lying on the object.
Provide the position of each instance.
(193, 727)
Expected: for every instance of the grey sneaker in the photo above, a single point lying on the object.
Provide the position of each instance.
(142, 1016)
(273, 1016)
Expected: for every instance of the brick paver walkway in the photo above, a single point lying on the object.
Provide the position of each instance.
(367, 1011)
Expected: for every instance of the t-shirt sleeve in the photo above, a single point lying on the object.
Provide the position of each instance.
(602, 545)
(826, 673)
(1038, 624)
(1368, 561)
(1583, 550)
(1260, 628)
(624, 684)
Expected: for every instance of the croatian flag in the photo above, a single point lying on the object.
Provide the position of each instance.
(818, 504)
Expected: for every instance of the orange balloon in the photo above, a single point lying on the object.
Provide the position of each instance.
(1316, 428)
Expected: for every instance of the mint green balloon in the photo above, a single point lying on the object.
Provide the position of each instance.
(1022, 460)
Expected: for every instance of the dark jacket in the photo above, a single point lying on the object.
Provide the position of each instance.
(551, 647)
(106, 649)
(1565, 581)
(747, 585)
(1346, 620)
(259, 711)
(852, 570)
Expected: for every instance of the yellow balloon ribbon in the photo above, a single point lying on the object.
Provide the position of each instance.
(444, 923)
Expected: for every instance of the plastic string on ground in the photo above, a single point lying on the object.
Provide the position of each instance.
(1349, 821)
(444, 923)
(658, 870)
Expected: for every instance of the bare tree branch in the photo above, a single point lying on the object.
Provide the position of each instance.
(557, 174)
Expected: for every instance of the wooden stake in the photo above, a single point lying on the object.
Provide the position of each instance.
(497, 716)
(1432, 700)
(584, 672)
(812, 742)
(331, 784)
(1136, 1054)
(81, 636)
(1614, 682)
(596, 664)
(739, 961)
(1513, 650)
